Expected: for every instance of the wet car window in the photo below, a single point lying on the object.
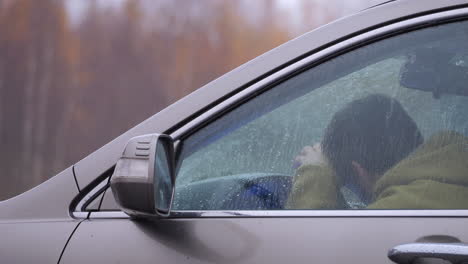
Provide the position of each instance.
(383, 126)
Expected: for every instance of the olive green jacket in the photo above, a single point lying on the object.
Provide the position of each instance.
(434, 176)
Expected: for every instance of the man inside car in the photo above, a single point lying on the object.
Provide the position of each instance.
(373, 157)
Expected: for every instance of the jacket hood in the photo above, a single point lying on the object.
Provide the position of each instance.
(443, 158)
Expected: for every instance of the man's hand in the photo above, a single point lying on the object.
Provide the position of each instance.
(310, 155)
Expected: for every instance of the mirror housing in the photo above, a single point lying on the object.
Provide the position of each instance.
(143, 179)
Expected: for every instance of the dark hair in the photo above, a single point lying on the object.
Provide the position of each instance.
(374, 131)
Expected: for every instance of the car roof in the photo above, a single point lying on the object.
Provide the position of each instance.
(379, 4)
(210, 94)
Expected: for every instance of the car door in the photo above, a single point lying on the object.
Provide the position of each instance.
(237, 162)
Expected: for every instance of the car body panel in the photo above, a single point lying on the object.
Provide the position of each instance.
(36, 225)
(252, 240)
(49, 201)
(34, 242)
(202, 99)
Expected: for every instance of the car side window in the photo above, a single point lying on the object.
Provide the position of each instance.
(383, 126)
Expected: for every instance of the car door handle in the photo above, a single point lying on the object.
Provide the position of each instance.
(407, 253)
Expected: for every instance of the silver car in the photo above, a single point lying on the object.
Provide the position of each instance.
(210, 179)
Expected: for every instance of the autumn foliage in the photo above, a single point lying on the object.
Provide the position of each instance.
(67, 87)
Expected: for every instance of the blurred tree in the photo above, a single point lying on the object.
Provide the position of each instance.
(120, 75)
(223, 38)
(38, 58)
(66, 89)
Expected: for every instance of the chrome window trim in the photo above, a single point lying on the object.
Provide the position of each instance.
(80, 215)
(93, 193)
(293, 213)
(108, 215)
(320, 213)
(317, 58)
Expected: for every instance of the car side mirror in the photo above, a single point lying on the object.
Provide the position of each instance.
(143, 179)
